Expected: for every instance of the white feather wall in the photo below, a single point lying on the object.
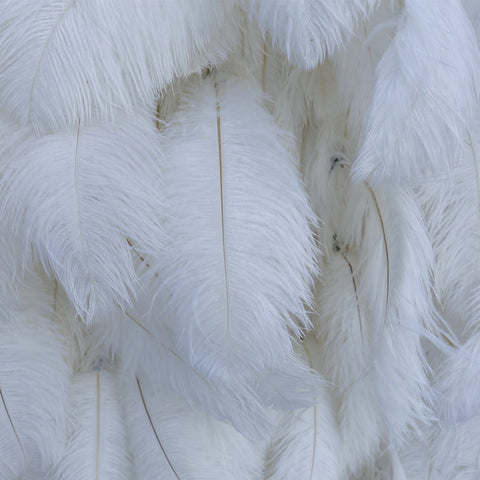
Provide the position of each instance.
(240, 239)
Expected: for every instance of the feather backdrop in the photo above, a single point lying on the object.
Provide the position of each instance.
(240, 240)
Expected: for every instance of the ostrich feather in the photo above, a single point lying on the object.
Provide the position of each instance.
(425, 94)
(451, 206)
(382, 253)
(97, 444)
(356, 64)
(308, 31)
(34, 378)
(143, 346)
(170, 440)
(347, 357)
(139, 346)
(234, 292)
(65, 60)
(306, 444)
(75, 199)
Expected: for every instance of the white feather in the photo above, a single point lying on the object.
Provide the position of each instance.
(347, 357)
(171, 441)
(375, 239)
(75, 200)
(67, 60)
(140, 346)
(425, 95)
(306, 444)
(308, 31)
(356, 63)
(144, 348)
(97, 444)
(454, 453)
(451, 205)
(238, 270)
(34, 379)
(459, 382)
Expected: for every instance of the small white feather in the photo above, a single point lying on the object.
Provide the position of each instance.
(97, 444)
(238, 270)
(425, 95)
(308, 31)
(67, 60)
(76, 199)
(34, 379)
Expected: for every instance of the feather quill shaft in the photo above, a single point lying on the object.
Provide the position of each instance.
(97, 445)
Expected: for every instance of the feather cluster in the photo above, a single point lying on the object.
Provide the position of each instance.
(241, 239)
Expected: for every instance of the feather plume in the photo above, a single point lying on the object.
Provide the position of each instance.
(356, 64)
(419, 114)
(310, 436)
(97, 444)
(170, 440)
(378, 252)
(139, 343)
(144, 348)
(308, 31)
(225, 288)
(34, 379)
(73, 199)
(65, 60)
(454, 452)
(451, 206)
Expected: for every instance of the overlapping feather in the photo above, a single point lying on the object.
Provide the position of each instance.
(310, 436)
(170, 440)
(425, 95)
(67, 60)
(77, 200)
(34, 377)
(308, 31)
(236, 275)
(97, 443)
(373, 241)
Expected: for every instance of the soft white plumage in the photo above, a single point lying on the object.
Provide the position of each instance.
(97, 443)
(310, 436)
(34, 378)
(420, 111)
(223, 277)
(307, 31)
(162, 265)
(76, 201)
(170, 440)
(65, 60)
